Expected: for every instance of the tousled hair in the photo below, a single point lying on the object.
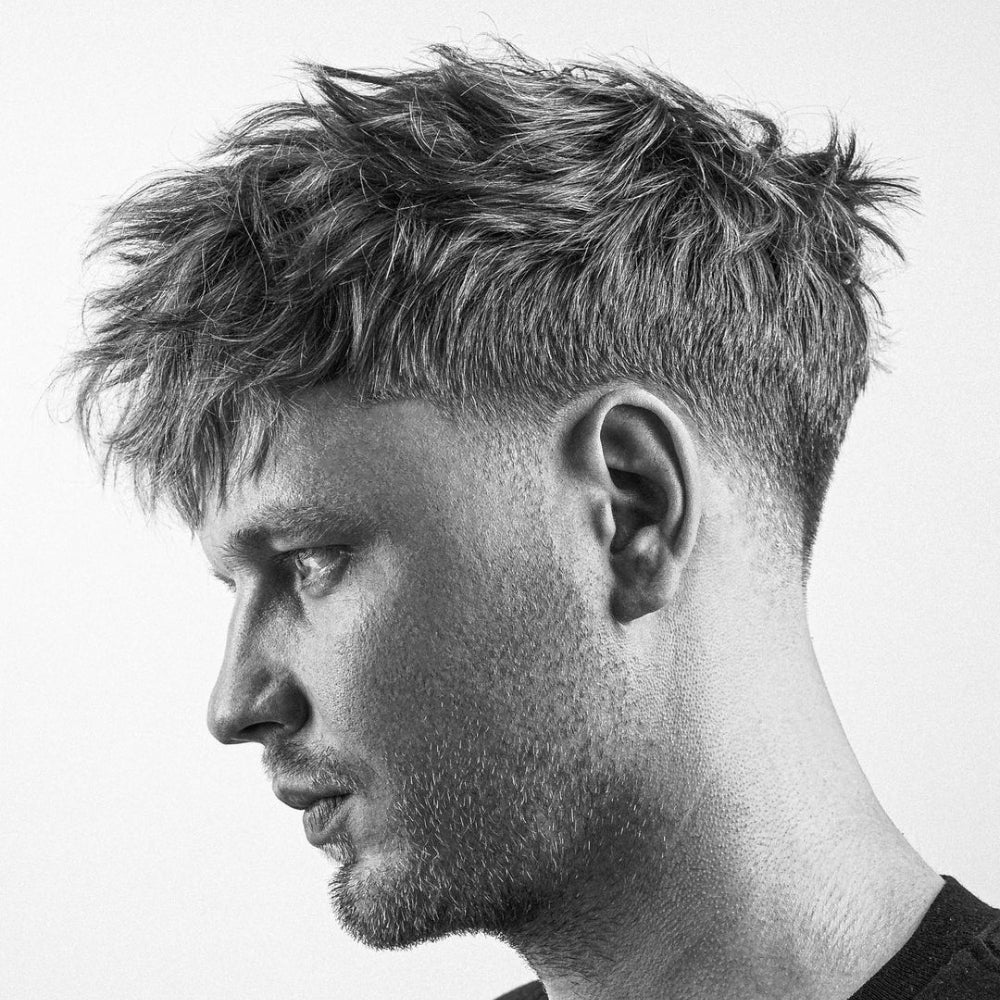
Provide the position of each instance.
(495, 233)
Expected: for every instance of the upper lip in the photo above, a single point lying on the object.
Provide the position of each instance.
(302, 797)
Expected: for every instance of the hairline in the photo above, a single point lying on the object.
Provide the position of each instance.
(773, 511)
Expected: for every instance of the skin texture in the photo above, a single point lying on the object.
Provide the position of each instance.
(571, 687)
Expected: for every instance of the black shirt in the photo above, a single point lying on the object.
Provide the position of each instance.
(954, 954)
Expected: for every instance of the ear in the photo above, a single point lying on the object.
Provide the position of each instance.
(641, 465)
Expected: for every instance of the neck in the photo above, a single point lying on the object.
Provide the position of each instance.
(778, 873)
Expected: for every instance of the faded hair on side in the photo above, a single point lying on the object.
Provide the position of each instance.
(495, 233)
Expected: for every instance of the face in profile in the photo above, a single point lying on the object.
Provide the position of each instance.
(420, 643)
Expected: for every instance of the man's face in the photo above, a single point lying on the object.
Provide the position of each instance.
(418, 620)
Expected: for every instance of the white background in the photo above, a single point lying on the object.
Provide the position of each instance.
(141, 859)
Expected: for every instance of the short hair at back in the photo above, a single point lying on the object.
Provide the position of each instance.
(495, 233)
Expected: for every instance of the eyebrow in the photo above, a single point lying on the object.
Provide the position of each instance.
(288, 519)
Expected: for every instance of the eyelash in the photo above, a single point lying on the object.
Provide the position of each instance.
(289, 563)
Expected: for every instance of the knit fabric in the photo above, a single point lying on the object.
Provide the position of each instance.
(954, 954)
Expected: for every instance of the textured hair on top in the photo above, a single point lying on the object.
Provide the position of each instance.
(492, 233)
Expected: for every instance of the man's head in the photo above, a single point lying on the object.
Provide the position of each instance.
(477, 382)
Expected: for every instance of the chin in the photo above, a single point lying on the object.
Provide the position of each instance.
(402, 901)
(385, 912)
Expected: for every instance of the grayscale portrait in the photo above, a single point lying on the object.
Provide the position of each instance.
(468, 417)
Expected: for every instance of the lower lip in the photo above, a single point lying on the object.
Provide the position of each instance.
(322, 818)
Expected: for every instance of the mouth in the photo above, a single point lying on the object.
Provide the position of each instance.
(321, 819)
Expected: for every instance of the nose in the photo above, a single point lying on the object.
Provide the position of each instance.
(256, 696)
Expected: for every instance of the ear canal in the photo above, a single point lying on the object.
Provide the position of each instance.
(635, 508)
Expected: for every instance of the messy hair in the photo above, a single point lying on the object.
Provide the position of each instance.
(493, 233)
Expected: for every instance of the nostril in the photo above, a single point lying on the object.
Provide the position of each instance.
(259, 732)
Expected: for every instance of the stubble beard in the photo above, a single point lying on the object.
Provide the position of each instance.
(500, 852)
(513, 817)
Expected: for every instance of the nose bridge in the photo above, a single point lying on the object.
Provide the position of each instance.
(256, 692)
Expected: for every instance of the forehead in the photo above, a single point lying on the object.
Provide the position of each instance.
(356, 464)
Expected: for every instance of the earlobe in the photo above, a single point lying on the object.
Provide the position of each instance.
(642, 455)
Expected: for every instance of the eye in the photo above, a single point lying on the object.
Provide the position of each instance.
(319, 570)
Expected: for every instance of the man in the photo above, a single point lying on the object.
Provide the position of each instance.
(505, 399)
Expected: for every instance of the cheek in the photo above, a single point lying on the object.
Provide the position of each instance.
(397, 667)
(427, 654)
(488, 647)
(489, 652)
(427, 665)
